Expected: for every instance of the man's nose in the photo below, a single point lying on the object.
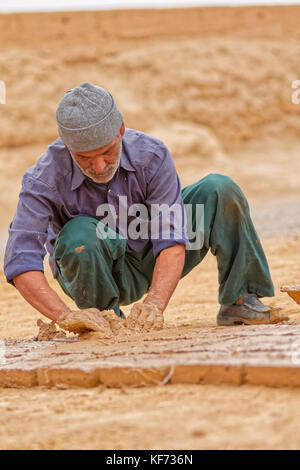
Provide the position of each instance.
(99, 164)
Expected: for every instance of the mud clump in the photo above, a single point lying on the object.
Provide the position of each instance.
(117, 325)
(117, 328)
(90, 323)
(82, 321)
(293, 292)
(276, 317)
(48, 331)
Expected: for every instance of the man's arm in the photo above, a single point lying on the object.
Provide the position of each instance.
(167, 271)
(25, 251)
(34, 287)
(164, 196)
(25, 248)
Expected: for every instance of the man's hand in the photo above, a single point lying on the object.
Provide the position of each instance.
(80, 321)
(145, 317)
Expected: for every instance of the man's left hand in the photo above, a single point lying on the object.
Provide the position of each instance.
(145, 317)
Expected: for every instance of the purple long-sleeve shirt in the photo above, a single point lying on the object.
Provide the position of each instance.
(55, 191)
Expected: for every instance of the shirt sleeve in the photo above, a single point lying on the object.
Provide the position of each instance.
(165, 204)
(25, 250)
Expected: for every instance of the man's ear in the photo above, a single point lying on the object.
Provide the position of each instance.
(122, 129)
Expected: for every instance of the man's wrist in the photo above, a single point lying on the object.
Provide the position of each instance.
(61, 314)
(154, 299)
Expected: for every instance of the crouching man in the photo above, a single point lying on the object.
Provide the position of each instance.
(97, 164)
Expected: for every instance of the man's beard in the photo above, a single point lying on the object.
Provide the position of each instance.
(107, 174)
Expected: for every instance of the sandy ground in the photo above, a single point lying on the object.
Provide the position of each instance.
(174, 417)
(215, 85)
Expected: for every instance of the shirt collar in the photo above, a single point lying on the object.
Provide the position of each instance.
(78, 177)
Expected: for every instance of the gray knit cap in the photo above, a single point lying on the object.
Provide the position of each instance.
(88, 118)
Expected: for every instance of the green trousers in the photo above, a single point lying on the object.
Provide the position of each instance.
(99, 273)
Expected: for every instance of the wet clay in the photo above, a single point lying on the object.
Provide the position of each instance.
(88, 324)
(261, 355)
(106, 324)
(275, 315)
(48, 331)
(293, 292)
(116, 328)
(117, 325)
(82, 321)
(120, 330)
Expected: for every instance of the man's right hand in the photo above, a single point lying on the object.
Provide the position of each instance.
(80, 321)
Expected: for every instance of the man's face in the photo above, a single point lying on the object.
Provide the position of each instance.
(101, 164)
